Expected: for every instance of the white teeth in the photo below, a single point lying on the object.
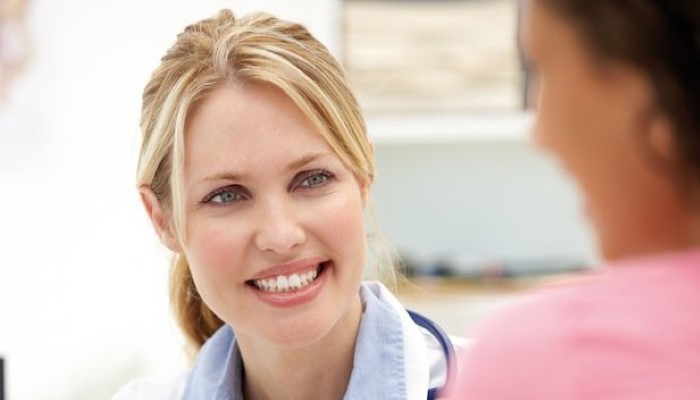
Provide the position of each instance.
(284, 283)
(294, 281)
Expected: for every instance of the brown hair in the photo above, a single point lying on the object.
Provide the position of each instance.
(661, 38)
(256, 49)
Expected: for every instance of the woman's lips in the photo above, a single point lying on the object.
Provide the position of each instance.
(288, 268)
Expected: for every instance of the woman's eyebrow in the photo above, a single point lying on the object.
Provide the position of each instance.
(230, 176)
(238, 177)
(307, 159)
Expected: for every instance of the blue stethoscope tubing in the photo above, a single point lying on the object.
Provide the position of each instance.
(444, 341)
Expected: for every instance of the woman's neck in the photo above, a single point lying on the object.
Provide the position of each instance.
(320, 370)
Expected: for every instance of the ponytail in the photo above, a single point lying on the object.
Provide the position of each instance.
(195, 319)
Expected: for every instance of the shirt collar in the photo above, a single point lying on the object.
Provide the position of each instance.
(218, 369)
(378, 369)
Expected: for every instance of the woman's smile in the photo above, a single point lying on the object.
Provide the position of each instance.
(294, 289)
(287, 283)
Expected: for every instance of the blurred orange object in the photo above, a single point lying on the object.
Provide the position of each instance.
(13, 42)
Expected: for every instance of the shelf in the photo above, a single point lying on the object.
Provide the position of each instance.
(449, 127)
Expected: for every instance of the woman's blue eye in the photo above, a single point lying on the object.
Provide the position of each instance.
(316, 179)
(224, 196)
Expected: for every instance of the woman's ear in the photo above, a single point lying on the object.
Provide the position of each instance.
(160, 219)
(661, 138)
(365, 187)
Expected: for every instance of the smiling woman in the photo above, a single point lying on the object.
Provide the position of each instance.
(255, 170)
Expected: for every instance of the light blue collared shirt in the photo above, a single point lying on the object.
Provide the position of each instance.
(378, 366)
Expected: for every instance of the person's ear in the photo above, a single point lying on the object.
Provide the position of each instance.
(160, 219)
(365, 187)
(662, 139)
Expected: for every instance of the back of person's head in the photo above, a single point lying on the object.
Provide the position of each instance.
(258, 49)
(660, 38)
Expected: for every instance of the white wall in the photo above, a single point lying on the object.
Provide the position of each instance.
(482, 200)
(83, 302)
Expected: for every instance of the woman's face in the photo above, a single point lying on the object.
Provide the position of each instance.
(275, 233)
(599, 122)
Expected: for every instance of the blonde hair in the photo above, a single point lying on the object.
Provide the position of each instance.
(256, 49)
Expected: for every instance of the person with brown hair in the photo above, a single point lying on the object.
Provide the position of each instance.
(255, 170)
(618, 104)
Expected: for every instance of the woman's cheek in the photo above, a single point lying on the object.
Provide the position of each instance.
(345, 217)
(212, 248)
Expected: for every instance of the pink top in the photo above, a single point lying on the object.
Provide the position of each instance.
(632, 332)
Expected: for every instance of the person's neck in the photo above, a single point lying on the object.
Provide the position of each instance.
(320, 370)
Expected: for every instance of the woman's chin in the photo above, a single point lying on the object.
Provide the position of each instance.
(296, 335)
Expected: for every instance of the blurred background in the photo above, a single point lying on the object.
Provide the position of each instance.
(477, 212)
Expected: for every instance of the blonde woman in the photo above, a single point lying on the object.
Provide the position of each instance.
(255, 170)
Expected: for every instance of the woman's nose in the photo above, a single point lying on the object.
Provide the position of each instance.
(278, 229)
